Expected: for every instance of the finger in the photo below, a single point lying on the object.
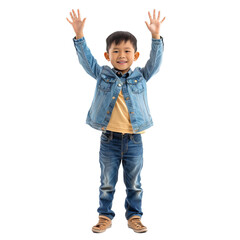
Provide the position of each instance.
(147, 25)
(74, 14)
(69, 21)
(163, 19)
(154, 15)
(79, 15)
(150, 17)
(158, 18)
(84, 21)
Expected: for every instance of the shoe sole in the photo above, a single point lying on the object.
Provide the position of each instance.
(138, 231)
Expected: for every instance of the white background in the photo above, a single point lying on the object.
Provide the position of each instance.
(49, 169)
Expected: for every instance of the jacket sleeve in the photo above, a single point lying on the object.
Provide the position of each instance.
(86, 58)
(153, 64)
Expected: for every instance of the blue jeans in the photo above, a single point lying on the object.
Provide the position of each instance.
(114, 149)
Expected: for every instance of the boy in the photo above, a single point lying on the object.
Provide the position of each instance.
(120, 110)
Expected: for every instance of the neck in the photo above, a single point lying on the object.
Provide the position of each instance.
(122, 71)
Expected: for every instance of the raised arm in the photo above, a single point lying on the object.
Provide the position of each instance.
(85, 56)
(153, 64)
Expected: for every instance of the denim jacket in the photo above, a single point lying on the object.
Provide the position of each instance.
(109, 84)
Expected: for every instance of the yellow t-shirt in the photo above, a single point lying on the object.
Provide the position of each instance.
(120, 119)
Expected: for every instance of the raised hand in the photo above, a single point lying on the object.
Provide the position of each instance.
(77, 23)
(154, 26)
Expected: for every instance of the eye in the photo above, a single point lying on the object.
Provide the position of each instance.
(115, 51)
(127, 51)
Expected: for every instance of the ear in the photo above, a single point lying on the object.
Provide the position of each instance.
(136, 56)
(106, 55)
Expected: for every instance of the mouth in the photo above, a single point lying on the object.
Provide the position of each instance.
(121, 62)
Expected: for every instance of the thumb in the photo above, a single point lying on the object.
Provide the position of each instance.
(148, 26)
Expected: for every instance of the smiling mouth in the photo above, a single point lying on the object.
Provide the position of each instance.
(121, 62)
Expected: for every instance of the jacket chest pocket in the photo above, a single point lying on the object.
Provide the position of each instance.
(106, 87)
(136, 85)
(105, 84)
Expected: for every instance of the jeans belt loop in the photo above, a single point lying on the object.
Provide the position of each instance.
(111, 135)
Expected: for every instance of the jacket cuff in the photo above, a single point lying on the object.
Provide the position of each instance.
(157, 42)
(78, 40)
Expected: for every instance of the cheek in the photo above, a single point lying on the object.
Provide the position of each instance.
(112, 58)
(131, 59)
(113, 62)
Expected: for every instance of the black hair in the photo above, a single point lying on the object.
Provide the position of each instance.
(118, 37)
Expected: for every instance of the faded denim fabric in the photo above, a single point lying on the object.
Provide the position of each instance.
(117, 148)
(109, 84)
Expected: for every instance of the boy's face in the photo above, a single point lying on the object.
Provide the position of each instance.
(122, 56)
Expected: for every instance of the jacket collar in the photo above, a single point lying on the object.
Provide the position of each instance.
(119, 74)
(111, 73)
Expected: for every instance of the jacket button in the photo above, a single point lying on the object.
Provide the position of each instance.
(127, 98)
(113, 97)
(119, 84)
(131, 112)
(108, 112)
(135, 81)
(103, 128)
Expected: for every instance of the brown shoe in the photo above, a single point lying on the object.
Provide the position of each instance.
(103, 223)
(135, 224)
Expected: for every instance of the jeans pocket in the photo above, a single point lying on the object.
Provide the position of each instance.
(136, 138)
(105, 137)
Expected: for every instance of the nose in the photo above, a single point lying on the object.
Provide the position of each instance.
(121, 55)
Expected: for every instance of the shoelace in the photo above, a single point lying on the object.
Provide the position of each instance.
(102, 222)
(137, 222)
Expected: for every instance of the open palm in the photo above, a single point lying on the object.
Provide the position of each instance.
(77, 23)
(154, 26)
